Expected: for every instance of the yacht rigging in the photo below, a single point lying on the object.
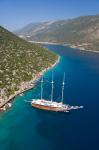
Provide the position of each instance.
(52, 105)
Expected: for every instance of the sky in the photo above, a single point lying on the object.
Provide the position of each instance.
(15, 14)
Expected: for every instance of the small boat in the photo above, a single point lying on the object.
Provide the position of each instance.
(21, 94)
(51, 105)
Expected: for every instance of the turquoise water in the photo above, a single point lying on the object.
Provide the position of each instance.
(25, 128)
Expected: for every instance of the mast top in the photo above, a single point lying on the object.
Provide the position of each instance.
(64, 78)
(42, 88)
(42, 79)
(63, 83)
(52, 87)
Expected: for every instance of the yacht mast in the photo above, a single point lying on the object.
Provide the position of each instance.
(63, 88)
(52, 87)
(42, 87)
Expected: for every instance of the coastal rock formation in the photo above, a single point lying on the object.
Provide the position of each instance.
(20, 62)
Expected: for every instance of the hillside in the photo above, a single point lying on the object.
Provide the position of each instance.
(20, 61)
(81, 32)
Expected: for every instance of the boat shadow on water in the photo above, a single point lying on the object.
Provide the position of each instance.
(55, 127)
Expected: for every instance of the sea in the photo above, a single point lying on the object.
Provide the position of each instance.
(23, 127)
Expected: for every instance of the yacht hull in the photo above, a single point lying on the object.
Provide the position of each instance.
(56, 109)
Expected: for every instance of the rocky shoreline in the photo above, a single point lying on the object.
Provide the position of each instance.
(5, 104)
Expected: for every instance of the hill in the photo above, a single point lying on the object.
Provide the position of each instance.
(20, 61)
(81, 32)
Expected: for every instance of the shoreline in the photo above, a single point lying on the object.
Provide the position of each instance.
(31, 84)
(83, 49)
(50, 43)
(74, 47)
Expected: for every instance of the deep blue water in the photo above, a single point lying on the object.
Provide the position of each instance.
(25, 128)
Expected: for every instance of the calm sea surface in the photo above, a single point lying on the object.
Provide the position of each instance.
(25, 128)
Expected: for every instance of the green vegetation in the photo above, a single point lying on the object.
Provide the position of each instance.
(20, 61)
(81, 32)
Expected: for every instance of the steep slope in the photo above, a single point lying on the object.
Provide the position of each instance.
(82, 32)
(20, 61)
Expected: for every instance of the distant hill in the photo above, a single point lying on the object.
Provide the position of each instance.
(20, 61)
(81, 32)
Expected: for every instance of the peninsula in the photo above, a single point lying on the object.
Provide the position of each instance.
(21, 63)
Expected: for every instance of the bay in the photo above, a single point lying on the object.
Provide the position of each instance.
(25, 128)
